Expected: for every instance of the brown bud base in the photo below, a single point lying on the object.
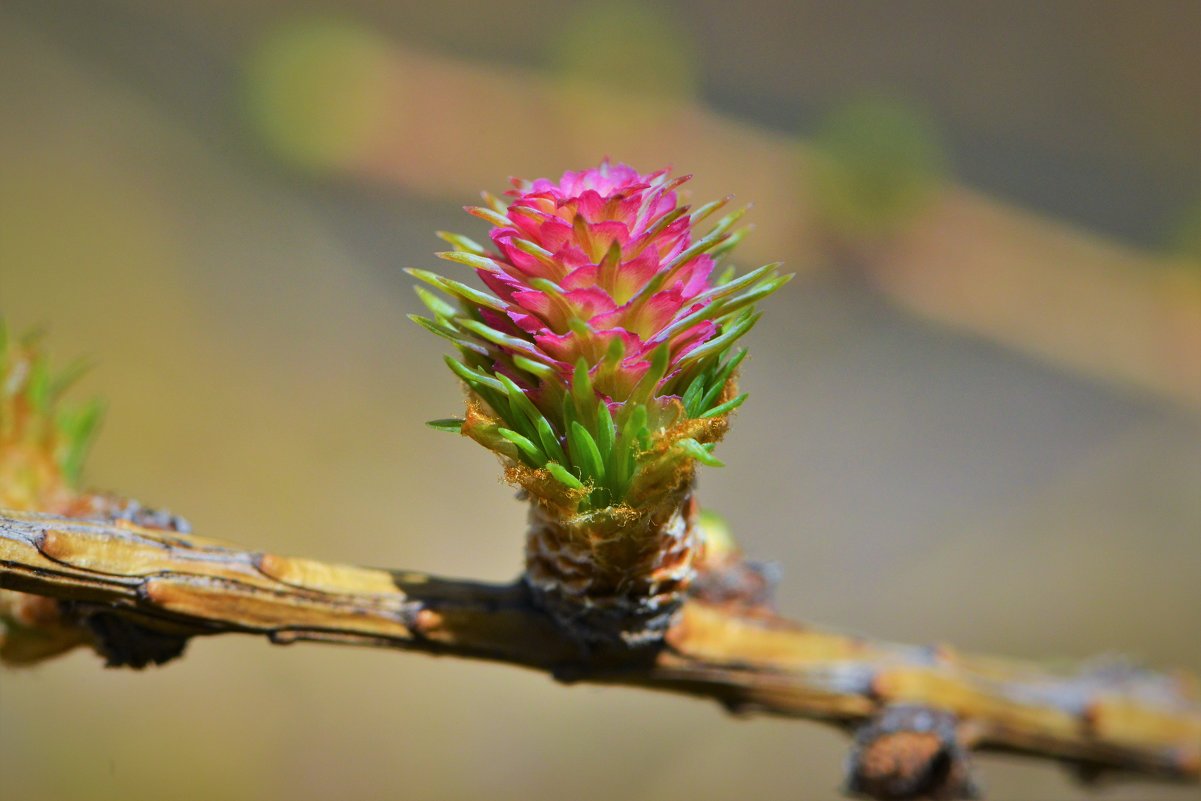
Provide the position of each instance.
(614, 575)
(910, 752)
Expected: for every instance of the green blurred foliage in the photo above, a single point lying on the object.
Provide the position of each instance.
(44, 439)
(880, 162)
(629, 47)
(316, 88)
(1185, 237)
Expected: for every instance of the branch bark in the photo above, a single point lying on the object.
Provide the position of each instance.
(142, 593)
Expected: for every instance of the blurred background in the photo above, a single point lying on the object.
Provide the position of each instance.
(973, 419)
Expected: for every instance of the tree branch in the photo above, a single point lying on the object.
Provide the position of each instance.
(142, 593)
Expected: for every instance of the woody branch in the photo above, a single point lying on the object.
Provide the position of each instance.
(138, 595)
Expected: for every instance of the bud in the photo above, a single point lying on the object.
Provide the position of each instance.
(43, 439)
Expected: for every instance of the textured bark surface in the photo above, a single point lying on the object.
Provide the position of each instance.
(140, 594)
(612, 580)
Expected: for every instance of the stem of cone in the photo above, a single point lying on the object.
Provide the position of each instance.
(614, 575)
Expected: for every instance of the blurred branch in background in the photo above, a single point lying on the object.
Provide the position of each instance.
(138, 594)
(873, 192)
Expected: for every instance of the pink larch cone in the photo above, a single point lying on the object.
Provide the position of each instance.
(600, 368)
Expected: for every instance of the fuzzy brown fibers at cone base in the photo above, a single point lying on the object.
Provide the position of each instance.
(615, 574)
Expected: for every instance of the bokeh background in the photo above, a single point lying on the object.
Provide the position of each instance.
(974, 416)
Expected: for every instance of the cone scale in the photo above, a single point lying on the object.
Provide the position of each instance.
(600, 366)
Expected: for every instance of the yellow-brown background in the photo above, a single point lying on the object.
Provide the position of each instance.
(247, 316)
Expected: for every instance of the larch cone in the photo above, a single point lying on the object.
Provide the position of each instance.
(600, 366)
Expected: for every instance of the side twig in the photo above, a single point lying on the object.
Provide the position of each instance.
(142, 593)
